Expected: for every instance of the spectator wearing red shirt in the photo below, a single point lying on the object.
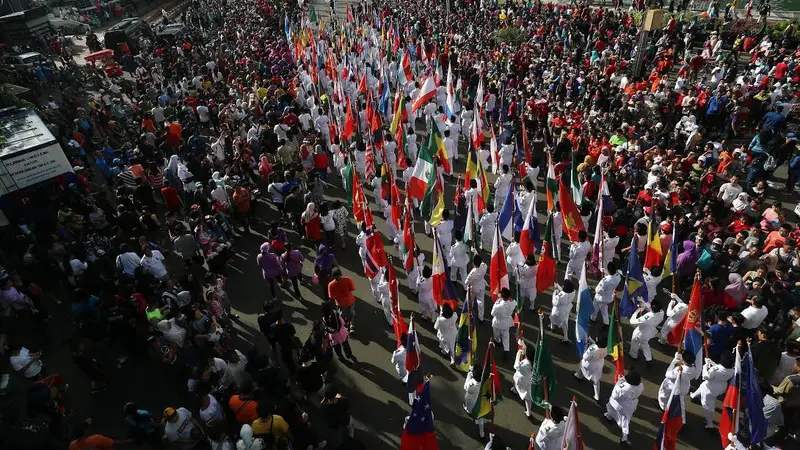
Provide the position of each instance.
(171, 198)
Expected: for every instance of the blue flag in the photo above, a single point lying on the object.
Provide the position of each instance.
(755, 402)
(634, 284)
(510, 217)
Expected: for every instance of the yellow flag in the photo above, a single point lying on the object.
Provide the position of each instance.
(436, 215)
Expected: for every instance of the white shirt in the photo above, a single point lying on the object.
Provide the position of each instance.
(754, 316)
(154, 265)
(202, 113)
(128, 262)
(729, 192)
(180, 429)
(21, 360)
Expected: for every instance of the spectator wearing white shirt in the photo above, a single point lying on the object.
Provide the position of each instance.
(729, 191)
(127, 261)
(153, 263)
(754, 314)
(25, 362)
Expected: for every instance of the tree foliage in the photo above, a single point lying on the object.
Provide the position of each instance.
(510, 36)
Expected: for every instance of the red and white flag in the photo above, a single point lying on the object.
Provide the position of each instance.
(426, 93)
(498, 278)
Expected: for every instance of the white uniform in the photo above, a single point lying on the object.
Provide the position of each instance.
(476, 280)
(652, 283)
(523, 377)
(506, 155)
(665, 390)
(622, 404)
(459, 258)
(385, 300)
(645, 331)
(501, 187)
(609, 249)
(715, 383)
(591, 366)
(427, 307)
(487, 225)
(399, 361)
(514, 257)
(558, 231)
(562, 305)
(446, 332)
(502, 320)
(577, 257)
(445, 232)
(604, 295)
(451, 147)
(472, 389)
(527, 284)
(550, 435)
(675, 312)
(361, 241)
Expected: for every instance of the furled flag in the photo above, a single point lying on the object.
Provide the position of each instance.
(572, 439)
(400, 138)
(423, 176)
(583, 311)
(466, 337)
(450, 104)
(615, 340)
(544, 371)
(349, 122)
(436, 141)
(476, 129)
(426, 93)
(375, 257)
(405, 74)
(569, 213)
(398, 323)
(443, 290)
(394, 202)
(383, 102)
(413, 360)
(596, 260)
(408, 237)
(369, 170)
(494, 154)
(498, 278)
(546, 273)
(510, 218)
(551, 184)
(475, 171)
(438, 210)
(529, 239)
(418, 433)
(652, 257)
(399, 113)
(574, 182)
(690, 327)
(480, 98)
(634, 284)
(729, 417)
(489, 394)
(672, 419)
(671, 261)
(755, 402)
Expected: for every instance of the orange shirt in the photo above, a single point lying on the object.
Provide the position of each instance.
(95, 441)
(341, 291)
(244, 410)
(774, 240)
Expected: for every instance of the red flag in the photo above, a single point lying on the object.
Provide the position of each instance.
(395, 203)
(349, 122)
(408, 236)
(569, 212)
(398, 323)
(358, 197)
(498, 278)
(362, 85)
(692, 321)
(400, 138)
(730, 406)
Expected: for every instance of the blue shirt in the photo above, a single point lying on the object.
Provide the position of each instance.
(719, 339)
(715, 104)
(772, 121)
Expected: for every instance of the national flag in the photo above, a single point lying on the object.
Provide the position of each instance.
(475, 171)
(369, 169)
(755, 402)
(395, 203)
(652, 257)
(418, 433)
(423, 176)
(436, 141)
(466, 337)
(596, 260)
(546, 273)
(731, 405)
(358, 200)
(375, 257)
(671, 261)
(672, 419)
(400, 139)
(572, 439)
(408, 237)
(450, 103)
(476, 129)
(436, 214)
(480, 98)
(690, 327)
(575, 183)
(551, 184)
(490, 393)
(544, 372)
(494, 153)
(569, 213)
(498, 278)
(634, 284)
(426, 93)
(469, 227)
(413, 360)
(615, 343)
(405, 69)
(400, 113)
(362, 84)
(443, 290)
(583, 312)
(398, 324)
(529, 239)
(510, 217)
(349, 122)
(286, 27)
(383, 102)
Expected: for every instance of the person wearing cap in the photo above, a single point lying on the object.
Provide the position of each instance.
(181, 428)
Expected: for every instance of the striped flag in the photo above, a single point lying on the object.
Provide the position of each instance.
(443, 290)
(615, 340)
(498, 278)
(672, 419)
(583, 311)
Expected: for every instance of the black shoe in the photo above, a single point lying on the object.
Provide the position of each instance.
(648, 364)
(632, 358)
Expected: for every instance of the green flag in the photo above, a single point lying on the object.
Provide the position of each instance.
(312, 14)
(425, 206)
(542, 367)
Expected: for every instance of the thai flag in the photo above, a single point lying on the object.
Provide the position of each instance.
(672, 419)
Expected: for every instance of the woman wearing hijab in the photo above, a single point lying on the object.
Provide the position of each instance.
(311, 222)
(171, 171)
(323, 266)
(735, 292)
(740, 203)
(270, 267)
(687, 261)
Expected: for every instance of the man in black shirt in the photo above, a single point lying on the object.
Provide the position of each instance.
(283, 333)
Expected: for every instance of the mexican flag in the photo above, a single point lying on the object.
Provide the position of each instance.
(423, 177)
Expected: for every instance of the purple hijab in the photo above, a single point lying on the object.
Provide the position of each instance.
(268, 262)
(325, 260)
(688, 259)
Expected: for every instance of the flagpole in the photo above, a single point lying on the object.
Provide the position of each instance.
(736, 410)
(683, 339)
(577, 424)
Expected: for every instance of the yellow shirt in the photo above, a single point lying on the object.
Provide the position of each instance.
(280, 428)
(261, 92)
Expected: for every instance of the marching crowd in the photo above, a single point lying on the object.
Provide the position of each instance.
(658, 163)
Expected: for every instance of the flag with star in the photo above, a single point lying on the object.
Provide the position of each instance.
(418, 432)
(490, 393)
